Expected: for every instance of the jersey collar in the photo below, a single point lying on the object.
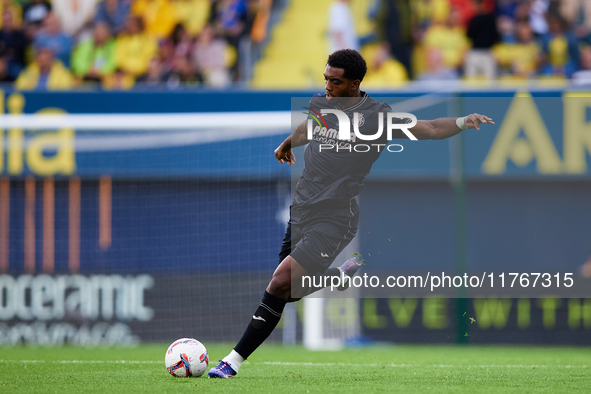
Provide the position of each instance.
(354, 106)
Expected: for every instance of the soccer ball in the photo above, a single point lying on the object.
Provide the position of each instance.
(186, 357)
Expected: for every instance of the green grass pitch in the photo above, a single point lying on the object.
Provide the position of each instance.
(277, 369)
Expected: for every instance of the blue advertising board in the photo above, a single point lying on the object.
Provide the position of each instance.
(535, 135)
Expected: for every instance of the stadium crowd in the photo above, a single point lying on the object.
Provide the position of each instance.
(474, 39)
(116, 43)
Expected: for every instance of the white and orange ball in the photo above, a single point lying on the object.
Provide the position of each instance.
(186, 357)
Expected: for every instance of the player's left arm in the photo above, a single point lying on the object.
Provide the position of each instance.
(283, 153)
(442, 128)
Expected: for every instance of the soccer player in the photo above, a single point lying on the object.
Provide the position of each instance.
(324, 213)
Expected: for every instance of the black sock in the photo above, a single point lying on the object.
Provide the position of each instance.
(261, 325)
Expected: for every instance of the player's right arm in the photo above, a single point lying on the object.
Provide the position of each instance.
(283, 153)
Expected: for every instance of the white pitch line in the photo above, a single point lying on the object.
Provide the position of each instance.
(417, 365)
(84, 361)
(310, 364)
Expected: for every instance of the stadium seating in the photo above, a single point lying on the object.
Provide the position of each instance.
(295, 60)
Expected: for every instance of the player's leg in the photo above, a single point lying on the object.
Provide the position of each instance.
(340, 276)
(264, 320)
(313, 254)
(268, 314)
(325, 240)
(266, 317)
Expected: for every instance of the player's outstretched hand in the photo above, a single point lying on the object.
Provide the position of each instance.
(284, 156)
(473, 121)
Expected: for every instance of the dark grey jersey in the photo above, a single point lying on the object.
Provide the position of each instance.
(335, 168)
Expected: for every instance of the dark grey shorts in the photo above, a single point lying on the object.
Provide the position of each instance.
(315, 237)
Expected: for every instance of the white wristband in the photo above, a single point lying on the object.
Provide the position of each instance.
(461, 122)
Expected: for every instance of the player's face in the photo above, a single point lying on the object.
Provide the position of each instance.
(336, 85)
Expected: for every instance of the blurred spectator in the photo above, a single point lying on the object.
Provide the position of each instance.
(554, 8)
(4, 74)
(193, 14)
(75, 16)
(537, 16)
(450, 39)
(506, 24)
(34, 13)
(134, 47)
(467, 9)
(45, 73)
(159, 16)
(95, 57)
(507, 8)
(506, 29)
(179, 43)
(261, 13)
(230, 15)
(428, 12)
(560, 47)
(181, 73)
(52, 37)
(13, 44)
(156, 74)
(578, 14)
(519, 59)
(482, 31)
(14, 9)
(383, 70)
(394, 26)
(114, 13)
(523, 11)
(436, 68)
(209, 58)
(341, 27)
(119, 80)
(253, 8)
(583, 76)
(255, 25)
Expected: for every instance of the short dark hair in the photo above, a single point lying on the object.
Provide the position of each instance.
(349, 60)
